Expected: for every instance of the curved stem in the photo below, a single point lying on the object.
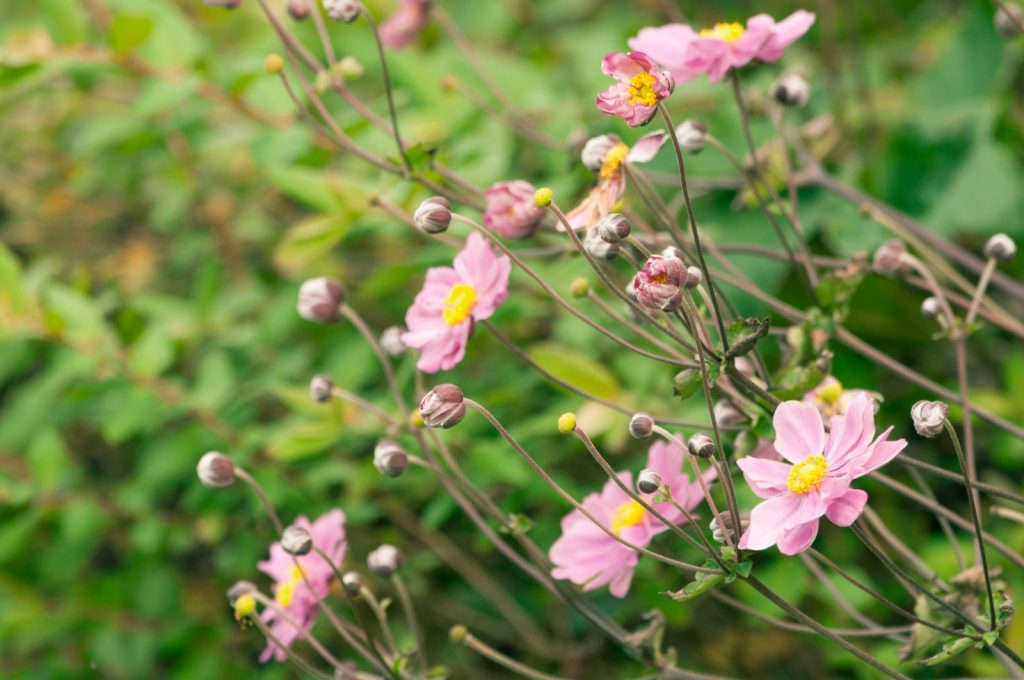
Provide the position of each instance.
(497, 657)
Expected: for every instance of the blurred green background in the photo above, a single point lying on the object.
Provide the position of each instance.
(160, 202)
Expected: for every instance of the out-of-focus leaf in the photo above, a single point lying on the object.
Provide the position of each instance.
(576, 368)
(302, 439)
(307, 241)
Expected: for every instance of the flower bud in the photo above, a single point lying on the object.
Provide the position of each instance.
(457, 633)
(792, 90)
(722, 525)
(648, 481)
(701, 445)
(567, 422)
(385, 560)
(931, 308)
(298, 9)
(1000, 247)
(238, 589)
(391, 341)
(224, 4)
(343, 10)
(273, 64)
(444, 406)
(321, 388)
(641, 426)
(543, 197)
(433, 216)
(726, 413)
(658, 284)
(613, 227)
(245, 606)
(390, 458)
(888, 260)
(694, 277)
(929, 417)
(692, 135)
(296, 541)
(215, 470)
(319, 300)
(579, 287)
(1008, 19)
(353, 582)
(596, 150)
(349, 68)
(598, 247)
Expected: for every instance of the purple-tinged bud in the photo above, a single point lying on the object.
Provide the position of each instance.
(320, 299)
(215, 470)
(296, 541)
(1009, 19)
(444, 406)
(722, 525)
(353, 582)
(694, 277)
(692, 136)
(1000, 247)
(641, 426)
(727, 414)
(648, 481)
(792, 90)
(929, 417)
(223, 4)
(298, 9)
(659, 284)
(385, 560)
(672, 251)
(391, 341)
(888, 258)
(321, 388)
(343, 10)
(511, 209)
(701, 445)
(390, 458)
(613, 227)
(238, 589)
(433, 216)
(596, 150)
(931, 308)
(598, 247)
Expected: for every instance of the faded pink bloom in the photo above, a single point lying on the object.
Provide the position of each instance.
(642, 84)
(659, 284)
(589, 557)
(818, 481)
(401, 28)
(290, 589)
(832, 399)
(686, 53)
(511, 211)
(442, 317)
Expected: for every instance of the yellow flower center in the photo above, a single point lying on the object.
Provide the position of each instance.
(285, 591)
(459, 303)
(807, 474)
(613, 160)
(641, 89)
(830, 393)
(629, 514)
(729, 32)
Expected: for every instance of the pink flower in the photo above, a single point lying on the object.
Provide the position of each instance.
(659, 285)
(402, 27)
(511, 211)
(290, 589)
(686, 53)
(831, 399)
(818, 481)
(589, 557)
(642, 84)
(442, 317)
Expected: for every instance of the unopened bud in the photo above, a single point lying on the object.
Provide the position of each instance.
(433, 216)
(245, 606)
(343, 10)
(792, 90)
(542, 197)
(579, 287)
(931, 308)
(692, 136)
(321, 387)
(701, 445)
(390, 458)
(641, 426)
(353, 582)
(298, 9)
(929, 417)
(385, 560)
(888, 258)
(1000, 247)
(296, 541)
(722, 525)
(444, 406)
(238, 589)
(1009, 19)
(320, 299)
(596, 150)
(457, 634)
(567, 422)
(694, 277)
(726, 413)
(613, 227)
(391, 341)
(273, 64)
(350, 68)
(215, 470)
(648, 481)
(223, 4)
(598, 247)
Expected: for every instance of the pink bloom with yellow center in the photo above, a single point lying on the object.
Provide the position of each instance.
(642, 84)
(291, 590)
(401, 28)
(589, 557)
(832, 399)
(687, 53)
(442, 316)
(816, 482)
(511, 211)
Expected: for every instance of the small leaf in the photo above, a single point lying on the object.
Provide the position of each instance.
(743, 335)
(702, 583)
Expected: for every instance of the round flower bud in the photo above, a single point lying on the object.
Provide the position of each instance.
(692, 136)
(433, 216)
(215, 470)
(598, 247)
(346, 11)
(350, 68)
(929, 417)
(567, 422)
(613, 227)
(245, 606)
(596, 150)
(391, 341)
(641, 426)
(273, 64)
(296, 541)
(579, 287)
(238, 589)
(457, 634)
(298, 9)
(444, 406)
(390, 458)
(321, 388)
(353, 582)
(701, 445)
(726, 413)
(722, 523)
(542, 197)
(1008, 19)
(1000, 247)
(385, 560)
(319, 300)
(792, 90)
(694, 277)
(888, 260)
(930, 308)
(648, 481)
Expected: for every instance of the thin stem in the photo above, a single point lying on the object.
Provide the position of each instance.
(382, 617)
(303, 631)
(301, 663)
(947, 529)
(385, 362)
(497, 657)
(389, 95)
(258, 490)
(410, 618)
(979, 292)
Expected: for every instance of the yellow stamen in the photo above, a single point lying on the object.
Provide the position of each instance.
(629, 514)
(613, 160)
(830, 393)
(286, 591)
(728, 32)
(641, 89)
(807, 474)
(459, 303)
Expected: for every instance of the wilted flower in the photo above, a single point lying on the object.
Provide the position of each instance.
(442, 317)
(385, 560)
(511, 211)
(642, 84)
(215, 470)
(1000, 247)
(792, 90)
(390, 458)
(343, 10)
(401, 28)
(444, 406)
(433, 216)
(929, 417)
(659, 284)
(832, 399)
(320, 299)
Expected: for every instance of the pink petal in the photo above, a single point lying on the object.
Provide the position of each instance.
(845, 509)
(767, 520)
(622, 66)
(766, 478)
(799, 431)
(880, 453)
(850, 434)
(647, 147)
(666, 45)
(799, 538)
(793, 27)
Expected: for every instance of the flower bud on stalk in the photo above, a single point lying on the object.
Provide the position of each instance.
(321, 388)
(345, 11)
(433, 216)
(238, 589)
(353, 582)
(726, 413)
(444, 406)
(792, 90)
(273, 64)
(598, 247)
(1008, 19)
(659, 284)
(694, 277)
(385, 560)
(931, 308)
(929, 417)
(701, 445)
(391, 341)
(692, 136)
(567, 422)
(1000, 247)
(722, 525)
(641, 426)
(579, 288)
(298, 9)
(613, 227)
(215, 470)
(319, 300)
(596, 150)
(888, 259)
(296, 541)
(390, 458)
(648, 481)
(224, 4)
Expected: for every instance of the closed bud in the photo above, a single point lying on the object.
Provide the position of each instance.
(726, 413)
(641, 426)
(298, 9)
(273, 64)
(648, 481)
(1009, 19)
(223, 4)
(598, 247)
(238, 589)
(457, 634)
(701, 445)
(349, 68)
(543, 197)
(321, 387)
(929, 417)
(320, 299)
(215, 470)
(567, 422)
(385, 560)
(353, 582)
(390, 458)
(792, 90)
(579, 287)
(613, 227)
(433, 216)
(343, 10)
(889, 258)
(296, 541)
(694, 277)
(1000, 247)
(391, 341)
(245, 606)
(722, 525)
(444, 406)
(692, 136)
(596, 150)
(930, 308)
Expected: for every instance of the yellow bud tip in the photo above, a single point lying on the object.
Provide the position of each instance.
(543, 197)
(579, 288)
(458, 633)
(415, 420)
(245, 606)
(566, 423)
(273, 64)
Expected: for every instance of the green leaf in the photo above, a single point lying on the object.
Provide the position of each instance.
(576, 368)
(702, 583)
(307, 241)
(128, 32)
(311, 187)
(303, 439)
(743, 335)
(689, 381)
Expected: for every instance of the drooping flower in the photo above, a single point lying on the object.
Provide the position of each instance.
(589, 557)
(401, 28)
(443, 314)
(642, 84)
(816, 480)
(291, 590)
(687, 53)
(832, 399)
(511, 210)
(659, 284)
